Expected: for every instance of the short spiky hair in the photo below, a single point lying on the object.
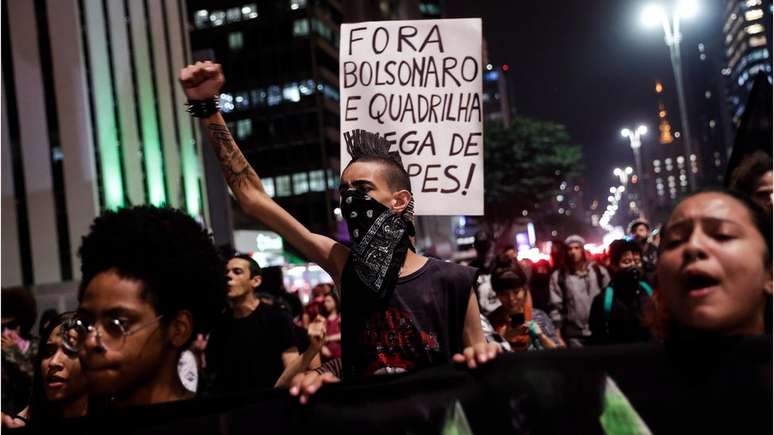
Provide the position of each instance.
(364, 146)
(255, 268)
(167, 251)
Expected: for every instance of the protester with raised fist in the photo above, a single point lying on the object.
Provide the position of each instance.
(383, 282)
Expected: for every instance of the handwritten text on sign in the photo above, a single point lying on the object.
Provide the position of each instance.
(418, 83)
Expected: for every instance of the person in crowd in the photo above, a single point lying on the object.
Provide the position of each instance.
(639, 231)
(314, 307)
(715, 268)
(527, 266)
(753, 178)
(59, 385)
(48, 315)
(252, 342)
(272, 289)
(295, 309)
(330, 311)
(483, 243)
(558, 254)
(523, 326)
(381, 287)
(573, 288)
(617, 314)
(19, 348)
(151, 280)
(538, 285)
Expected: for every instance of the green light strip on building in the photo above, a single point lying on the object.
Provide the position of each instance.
(154, 161)
(151, 142)
(107, 134)
(190, 163)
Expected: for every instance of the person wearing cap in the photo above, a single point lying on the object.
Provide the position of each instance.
(639, 230)
(573, 288)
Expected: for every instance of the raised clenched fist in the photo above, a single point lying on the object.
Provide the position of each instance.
(202, 80)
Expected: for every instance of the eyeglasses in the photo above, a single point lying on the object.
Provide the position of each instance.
(114, 332)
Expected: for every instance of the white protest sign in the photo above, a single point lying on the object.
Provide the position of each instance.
(418, 84)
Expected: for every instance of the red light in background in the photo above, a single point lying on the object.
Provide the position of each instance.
(505, 67)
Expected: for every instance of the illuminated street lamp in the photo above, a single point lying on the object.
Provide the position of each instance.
(635, 140)
(623, 174)
(652, 15)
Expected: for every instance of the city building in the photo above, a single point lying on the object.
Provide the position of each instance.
(92, 120)
(496, 98)
(710, 121)
(280, 99)
(665, 165)
(747, 33)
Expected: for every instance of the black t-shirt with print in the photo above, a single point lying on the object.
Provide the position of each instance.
(418, 325)
(246, 353)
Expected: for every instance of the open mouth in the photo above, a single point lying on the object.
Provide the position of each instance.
(699, 284)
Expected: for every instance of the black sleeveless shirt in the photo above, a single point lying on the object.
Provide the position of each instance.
(419, 324)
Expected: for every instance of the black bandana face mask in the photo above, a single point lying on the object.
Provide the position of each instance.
(380, 240)
(629, 277)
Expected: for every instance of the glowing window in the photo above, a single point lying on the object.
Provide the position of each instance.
(301, 27)
(757, 41)
(306, 87)
(753, 14)
(333, 179)
(244, 128)
(241, 101)
(217, 18)
(233, 15)
(300, 183)
(249, 11)
(268, 185)
(317, 181)
(297, 4)
(275, 96)
(754, 29)
(290, 93)
(282, 186)
(235, 41)
(201, 19)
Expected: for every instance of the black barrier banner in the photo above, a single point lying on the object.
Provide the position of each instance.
(718, 386)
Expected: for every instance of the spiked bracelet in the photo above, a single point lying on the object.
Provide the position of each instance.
(203, 108)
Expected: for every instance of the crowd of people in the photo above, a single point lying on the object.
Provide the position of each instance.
(166, 318)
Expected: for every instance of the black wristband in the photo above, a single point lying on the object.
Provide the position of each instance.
(203, 108)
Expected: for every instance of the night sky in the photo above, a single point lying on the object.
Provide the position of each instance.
(590, 65)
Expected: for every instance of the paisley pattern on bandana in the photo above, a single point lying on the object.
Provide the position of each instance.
(379, 241)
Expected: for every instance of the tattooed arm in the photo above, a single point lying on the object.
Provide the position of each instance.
(203, 81)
